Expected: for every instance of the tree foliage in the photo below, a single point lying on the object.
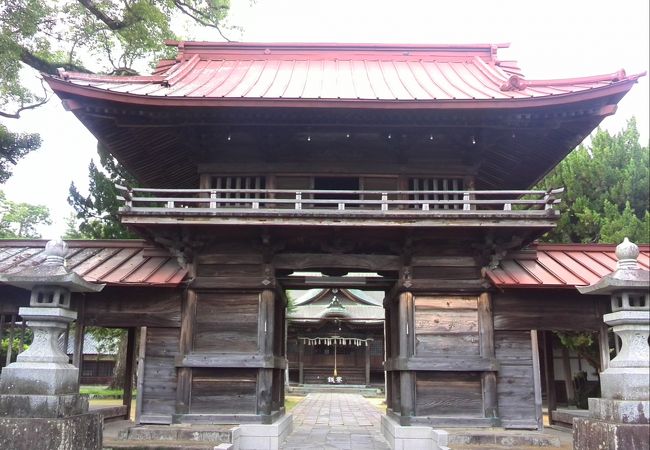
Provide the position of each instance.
(110, 36)
(607, 187)
(14, 146)
(20, 220)
(97, 212)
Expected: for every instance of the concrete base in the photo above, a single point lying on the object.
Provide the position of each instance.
(43, 406)
(620, 411)
(596, 434)
(401, 437)
(263, 437)
(626, 383)
(70, 433)
(38, 378)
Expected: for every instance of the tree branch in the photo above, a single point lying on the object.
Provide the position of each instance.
(23, 107)
(198, 16)
(43, 65)
(112, 24)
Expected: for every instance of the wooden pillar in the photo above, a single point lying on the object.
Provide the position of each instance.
(128, 371)
(568, 377)
(23, 327)
(79, 331)
(406, 346)
(142, 349)
(486, 343)
(537, 381)
(603, 338)
(184, 374)
(367, 363)
(266, 332)
(10, 340)
(549, 373)
(301, 364)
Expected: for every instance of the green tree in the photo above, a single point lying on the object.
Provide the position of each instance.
(109, 35)
(14, 146)
(97, 212)
(606, 190)
(106, 36)
(19, 220)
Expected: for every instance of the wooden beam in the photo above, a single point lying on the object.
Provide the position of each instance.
(537, 383)
(78, 354)
(302, 261)
(128, 371)
(142, 348)
(486, 343)
(231, 360)
(603, 339)
(367, 363)
(184, 374)
(301, 364)
(444, 364)
(10, 339)
(406, 348)
(546, 338)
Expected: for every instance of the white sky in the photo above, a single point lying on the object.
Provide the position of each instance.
(550, 39)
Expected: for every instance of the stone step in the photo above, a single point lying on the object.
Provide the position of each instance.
(118, 444)
(214, 434)
(497, 439)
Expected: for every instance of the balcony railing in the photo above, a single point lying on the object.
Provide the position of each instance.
(338, 204)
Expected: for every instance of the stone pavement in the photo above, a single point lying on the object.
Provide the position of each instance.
(335, 421)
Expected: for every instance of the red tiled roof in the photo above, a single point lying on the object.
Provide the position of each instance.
(559, 265)
(341, 75)
(114, 262)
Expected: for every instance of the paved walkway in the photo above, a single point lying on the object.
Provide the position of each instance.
(335, 421)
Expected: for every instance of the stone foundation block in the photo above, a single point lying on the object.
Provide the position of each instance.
(620, 411)
(71, 433)
(43, 406)
(37, 378)
(595, 434)
(401, 437)
(254, 436)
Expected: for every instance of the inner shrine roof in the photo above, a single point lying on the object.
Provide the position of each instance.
(339, 75)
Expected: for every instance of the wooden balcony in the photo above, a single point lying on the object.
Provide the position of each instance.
(527, 208)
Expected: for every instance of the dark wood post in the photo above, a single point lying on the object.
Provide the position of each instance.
(549, 373)
(486, 342)
(128, 371)
(367, 363)
(301, 364)
(406, 345)
(78, 354)
(537, 382)
(184, 380)
(603, 338)
(266, 332)
(142, 349)
(10, 340)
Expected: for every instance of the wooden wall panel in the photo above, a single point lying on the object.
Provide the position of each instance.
(223, 391)
(515, 382)
(546, 310)
(226, 322)
(159, 384)
(446, 326)
(449, 394)
(133, 307)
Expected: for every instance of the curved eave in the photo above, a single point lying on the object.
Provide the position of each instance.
(64, 87)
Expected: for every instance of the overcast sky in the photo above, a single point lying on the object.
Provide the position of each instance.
(550, 39)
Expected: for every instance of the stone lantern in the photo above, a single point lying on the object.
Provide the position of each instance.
(39, 393)
(619, 419)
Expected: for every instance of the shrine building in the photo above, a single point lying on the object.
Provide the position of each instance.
(403, 169)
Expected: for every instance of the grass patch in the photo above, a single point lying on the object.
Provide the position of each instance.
(101, 392)
(290, 401)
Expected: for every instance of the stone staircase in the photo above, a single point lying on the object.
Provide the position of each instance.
(174, 437)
